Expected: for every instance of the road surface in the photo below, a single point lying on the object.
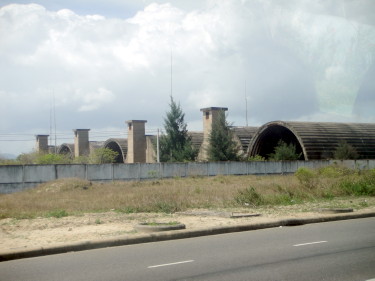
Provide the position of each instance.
(341, 250)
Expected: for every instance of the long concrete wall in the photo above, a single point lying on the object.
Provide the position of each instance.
(19, 177)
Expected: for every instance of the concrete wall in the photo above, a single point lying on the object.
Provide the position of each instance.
(17, 177)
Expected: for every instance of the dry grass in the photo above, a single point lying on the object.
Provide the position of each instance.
(75, 196)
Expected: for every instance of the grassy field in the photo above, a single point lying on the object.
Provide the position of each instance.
(75, 196)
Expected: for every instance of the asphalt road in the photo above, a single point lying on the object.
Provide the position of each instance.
(341, 250)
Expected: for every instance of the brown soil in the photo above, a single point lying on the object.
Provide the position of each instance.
(44, 232)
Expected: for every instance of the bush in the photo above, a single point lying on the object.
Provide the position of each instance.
(345, 151)
(102, 156)
(284, 151)
(359, 185)
(306, 177)
(45, 159)
(249, 196)
(27, 158)
(256, 158)
(334, 171)
(57, 214)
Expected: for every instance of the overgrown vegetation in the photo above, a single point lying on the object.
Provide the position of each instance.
(284, 151)
(256, 158)
(75, 196)
(345, 151)
(222, 147)
(97, 156)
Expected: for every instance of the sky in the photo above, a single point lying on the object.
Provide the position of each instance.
(80, 64)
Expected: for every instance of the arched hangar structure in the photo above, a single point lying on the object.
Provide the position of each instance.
(314, 140)
(118, 145)
(66, 149)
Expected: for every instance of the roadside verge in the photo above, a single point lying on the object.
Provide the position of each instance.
(176, 234)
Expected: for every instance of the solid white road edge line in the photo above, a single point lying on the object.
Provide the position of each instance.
(167, 264)
(311, 243)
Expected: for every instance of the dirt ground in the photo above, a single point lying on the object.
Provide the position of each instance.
(44, 232)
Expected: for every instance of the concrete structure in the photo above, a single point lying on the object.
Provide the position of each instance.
(210, 115)
(314, 140)
(66, 149)
(243, 136)
(15, 178)
(41, 145)
(136, 141)
(81, 142)
(118, 145)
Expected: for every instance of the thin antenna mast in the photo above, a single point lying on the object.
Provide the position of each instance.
(246, 105)
(171, 74)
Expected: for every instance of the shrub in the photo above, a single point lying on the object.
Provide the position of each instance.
(334, 171)
(27, 158)
(256, 158)
(57, 214)
(284, 151)
(45, 159)
(102, 156)
(345, 151)
(249, 196)
(165, 207)
(306, 177)
(359, 185)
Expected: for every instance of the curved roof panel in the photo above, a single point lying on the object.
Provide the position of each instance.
(315, 140)
(67, 149)
(118, 145)
(244, 135)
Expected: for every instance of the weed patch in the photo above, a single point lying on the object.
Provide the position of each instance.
(57, 214)
(74, 196)
(249, 196)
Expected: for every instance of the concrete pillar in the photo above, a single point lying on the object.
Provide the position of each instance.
(210, 115)
(81, 142)
(136, 141)
(41, 143)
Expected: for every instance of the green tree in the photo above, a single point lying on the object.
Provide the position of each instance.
(102, 156)
(176, 144)
(345, 151)
(284, 151)
(222, 146)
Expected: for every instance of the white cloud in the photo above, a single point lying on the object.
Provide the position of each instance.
(93, 100)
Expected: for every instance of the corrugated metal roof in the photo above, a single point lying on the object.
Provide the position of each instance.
(316, 140)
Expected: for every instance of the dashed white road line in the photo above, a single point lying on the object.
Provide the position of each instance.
(310, 243)
(167, 264)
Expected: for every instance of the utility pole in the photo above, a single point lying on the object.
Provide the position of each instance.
(157, 148)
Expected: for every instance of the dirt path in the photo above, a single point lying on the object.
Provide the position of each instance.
(43, 232)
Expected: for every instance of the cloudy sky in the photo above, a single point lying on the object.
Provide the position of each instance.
(94, 64)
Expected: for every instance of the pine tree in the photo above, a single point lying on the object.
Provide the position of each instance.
(176, 144)
(222, 147)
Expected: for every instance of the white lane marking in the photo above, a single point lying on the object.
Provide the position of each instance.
(311, 243)
(167, 264)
